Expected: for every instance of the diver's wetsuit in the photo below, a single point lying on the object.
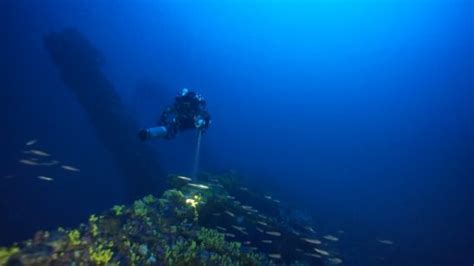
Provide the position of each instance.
(187, 112)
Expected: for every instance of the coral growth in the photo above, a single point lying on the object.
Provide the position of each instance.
(176, 229)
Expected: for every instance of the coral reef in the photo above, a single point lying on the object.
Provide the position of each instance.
(190, 224)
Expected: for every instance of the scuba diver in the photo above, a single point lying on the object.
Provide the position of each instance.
(187, 112)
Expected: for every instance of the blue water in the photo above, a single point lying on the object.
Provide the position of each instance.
(360, 112)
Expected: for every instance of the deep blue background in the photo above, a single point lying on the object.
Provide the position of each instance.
(360, 111)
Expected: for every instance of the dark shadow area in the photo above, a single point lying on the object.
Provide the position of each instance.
(79, 64)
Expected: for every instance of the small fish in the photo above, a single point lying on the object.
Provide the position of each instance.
(262, 223)
(230, 213)
(312, 255)
(295, 232)
(268, 197)
(31, 142)
(252, 248)
(340, 232)
(262, 216)
(201, 186)
(386, 242)
(9, 176)
(276, 201)
(274, 256)
(312, 241)
(28, 162)
(267, 241)
(244, 189)
(299, 250)
(309, 228)
(39, 153)
(259, 229)
(53, 162)
(45, 178)
(273, 233)
(221, 228)
(229, 235)
(230, 197)
(183, 178)
(335, 260)
(237, 202)
(247, 243)
(70, 168)
(238, 228)
(322, 252)
(331, 238)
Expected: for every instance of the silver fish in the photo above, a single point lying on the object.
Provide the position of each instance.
(273, 233)
(183, 178)
(39, 153)
(28, 162)
(45, 178)
(386, 242)
(70, 168)
(31, 142)
(201, 186)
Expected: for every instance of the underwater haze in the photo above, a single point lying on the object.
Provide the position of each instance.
(360, 112)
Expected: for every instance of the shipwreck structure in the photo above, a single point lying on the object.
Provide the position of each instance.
(79, 64)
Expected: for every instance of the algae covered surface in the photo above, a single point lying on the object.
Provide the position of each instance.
(193, 223)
